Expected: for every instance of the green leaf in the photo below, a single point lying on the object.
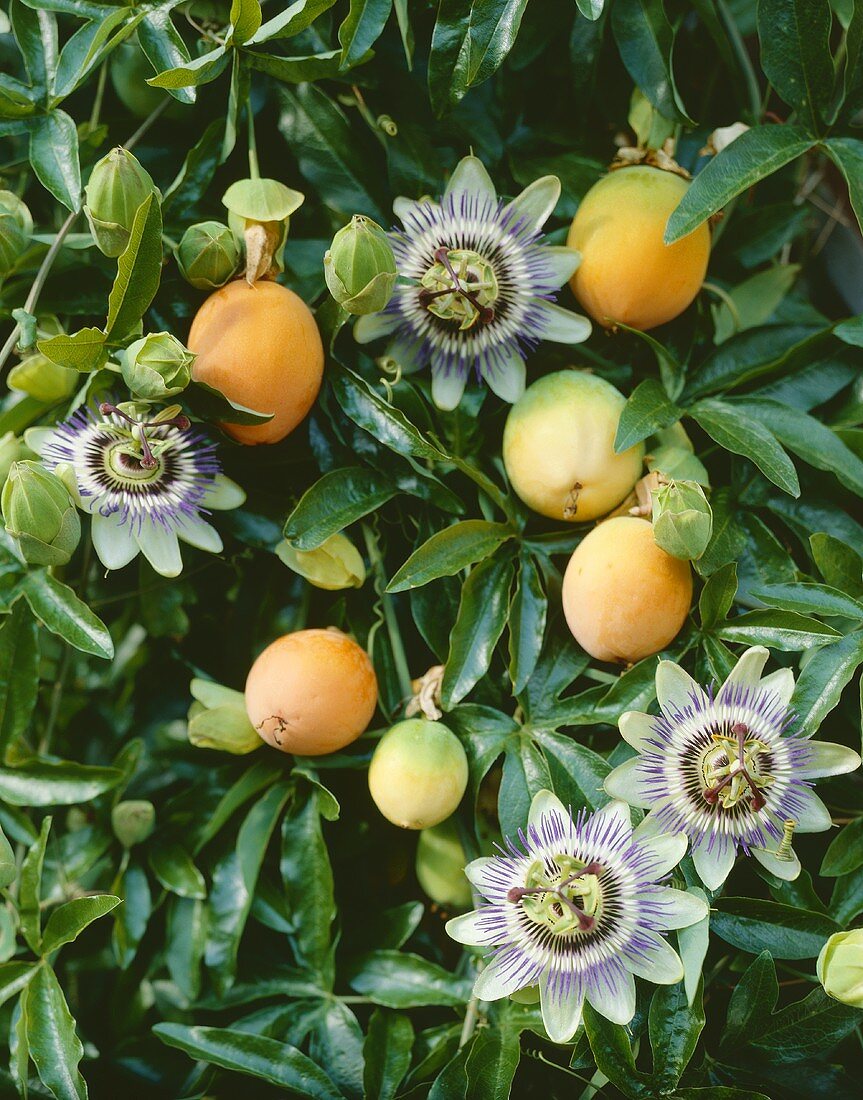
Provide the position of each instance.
(30, 889)
(19, 673)
(397, 979)
(55, 783)
(783, 930)
(784, 630)
(469, 44)
(845, 853)
(255, 1055)
(54, 1046)
(132, 919)
(361, 28)
(54, 156)
(645, 39)
(491, 1064)
(646, 411)
(139, 269)
(823, 679)
(808, 1028)
(717, 596)
(449, 551)
(69, 920)
(847, 154)
(674, 1027)
(582, 769)
(740, 434)
(527, 616)
(755, 300)
(308, 881)
(8, 866)
(481, 618)
(612, 1050)
(186, 940)
(201, 70)
(755, 154)
(386, 1053)
(796, 58)
(197, 170)
(752, 1001)
(14, 976)
(750, 355)
(83, 350)
(36, 34)
(810, 599)
(525, 774)
(245, 20)
(335, 501)
(175, 869)
(838, 563)
(88, 46)
(57, 607)
(164, 48)
(295, 70)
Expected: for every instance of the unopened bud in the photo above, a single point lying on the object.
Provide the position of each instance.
(157, 366)
(40, 514)
(334, 565)
(133, 821)
(208, 255)
(682, 519)
(117, 186)
(43, 379)
(360, 267)
(16, 225)
(840, 967)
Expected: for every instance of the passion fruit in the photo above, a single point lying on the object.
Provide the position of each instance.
(311, 692)
(624, 598)
(440, 863)
(418, 773)
(259, 345)
(558, 447)
(627, 274)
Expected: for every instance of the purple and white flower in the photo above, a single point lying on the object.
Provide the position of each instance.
(728, 768)
(147, 483)
(477, 285)
(578, 909)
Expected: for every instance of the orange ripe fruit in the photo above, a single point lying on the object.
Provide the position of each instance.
(311, 692)
(259, 345)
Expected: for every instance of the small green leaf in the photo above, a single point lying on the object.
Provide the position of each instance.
(30, 889)
(19, 673)
(674, 1027)
(56, 606)
(245, 20)
(202, 70)
(69, 920)
(362, 27)
(752, 1001)
(449, 551)
(784, 630)
(336, 500)
(527, 617)
(796, 58)
(847, 154)
(139, 268)
(83, 350)
(845, 853)
(54, 1046)
(740, 434)
(647, 410)
(174, 868)
(717, 596)
(783, 930)
(54, 156)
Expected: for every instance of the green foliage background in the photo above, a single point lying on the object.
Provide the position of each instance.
(272, 925)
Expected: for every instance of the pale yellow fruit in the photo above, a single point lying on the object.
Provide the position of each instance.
(418, 773)
(558, 447)
(628, 274)
(623, 597)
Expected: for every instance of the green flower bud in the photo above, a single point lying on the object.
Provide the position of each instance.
(259, 213)
(39, 377)
(208, 255)
(333, 565)
(360, 268)
(12, 449)
(840, 967)
(218, 719)
(133, 821)
(40, 514)
(16, 225)
(117, 186)
(682, 519)
(157, 366)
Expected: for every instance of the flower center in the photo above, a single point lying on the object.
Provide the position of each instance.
(135, 457)
(461, 287)
(732, 769)
(125, 462)
(567, 900)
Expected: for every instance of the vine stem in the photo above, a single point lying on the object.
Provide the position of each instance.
(254, 170)
(743, 59)
(396, 644)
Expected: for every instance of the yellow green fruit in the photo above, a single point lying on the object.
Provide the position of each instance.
(628, 275)
(558, 447)
(418, 773)
(624, 598)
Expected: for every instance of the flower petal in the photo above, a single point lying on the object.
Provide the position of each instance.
(814, 817)
(616, 811)
(545, 802)
(714, 863)
(372, 326)
(447, 388)
(692, 943)
(470, 929)
(676, 908)
(197, 532)
(223, 494)
(786, 869)
(636, 728)
(674, 686)
(471, 176)
(781, 683)
(560, 325)
(113, 541)
(613, 996)
(666, 849)
(36, 438)
(500, 978)
(624, 782)
(563, 262)
(561, 1015)
(656, 962)
(747, 672)
(161, 549)
(507, 377)
(536, 202)
(827, 758)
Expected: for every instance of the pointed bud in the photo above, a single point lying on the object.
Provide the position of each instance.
(157, 366)
(682, 519)
(208, 255)
(335, 564)
(117, 186)
(16, 225)
(840, 967)
(40, 514)
(11, 450)
(133, 821)
(360, 268)
(43, 379)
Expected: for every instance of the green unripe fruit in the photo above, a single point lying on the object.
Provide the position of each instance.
(157, 366)
(418, 773)
(133, 821)
(130, 71)
(440, 864)
(16, 225)
(40, 514)
(682, 519)
(840, 967)
(117, 186)
(558, 447)
(39, 377)
(360, 268)
(208, 255)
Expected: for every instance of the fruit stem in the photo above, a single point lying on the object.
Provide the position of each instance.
(254, 170)
(396, 644)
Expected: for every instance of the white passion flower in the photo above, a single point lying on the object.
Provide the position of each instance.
(727, 768)
(578, 909)
(147, 483)
(477, 285)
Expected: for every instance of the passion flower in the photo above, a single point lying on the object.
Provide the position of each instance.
(146, 482)
(479, 285)
(578, 910)
(728, 769)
